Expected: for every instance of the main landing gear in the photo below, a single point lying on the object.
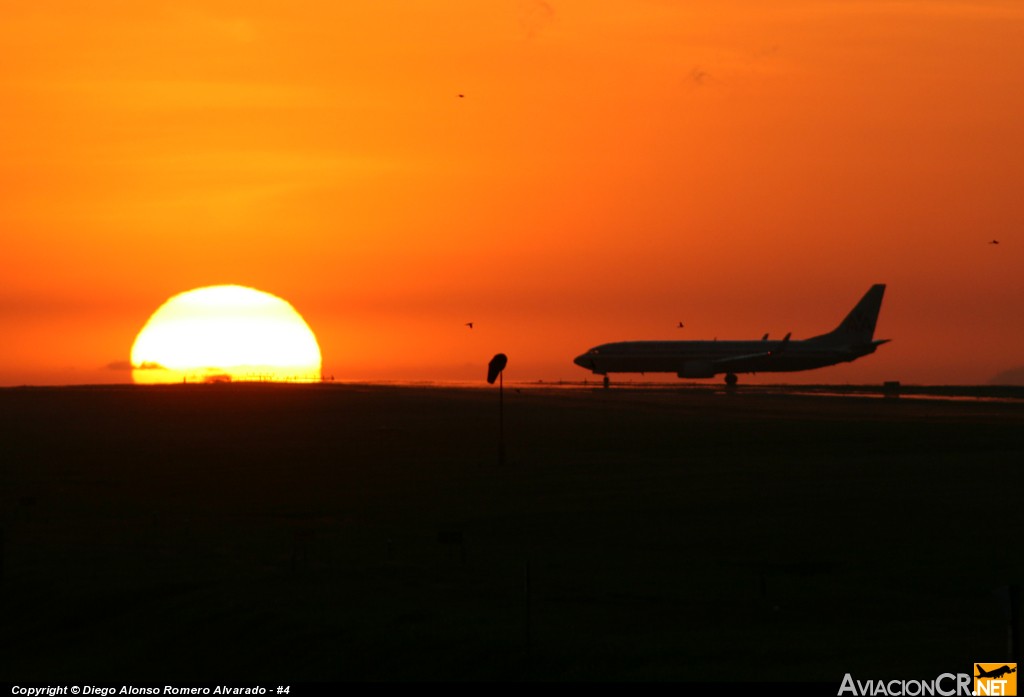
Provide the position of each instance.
(606, 382)
(731, 379)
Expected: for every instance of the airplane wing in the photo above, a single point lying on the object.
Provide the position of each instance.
(726, 362)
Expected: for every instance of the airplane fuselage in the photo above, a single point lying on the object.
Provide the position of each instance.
(710, 358)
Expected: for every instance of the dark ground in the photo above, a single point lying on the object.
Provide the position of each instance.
(306, 533)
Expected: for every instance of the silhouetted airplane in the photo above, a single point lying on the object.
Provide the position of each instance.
(994, 673)
(705, 359)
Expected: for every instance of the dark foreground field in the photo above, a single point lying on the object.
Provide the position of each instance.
(306, 533)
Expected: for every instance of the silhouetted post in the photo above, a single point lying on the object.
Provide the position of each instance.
(501, 418)
(495, 371)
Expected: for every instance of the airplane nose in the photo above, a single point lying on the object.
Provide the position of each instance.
(584, 361)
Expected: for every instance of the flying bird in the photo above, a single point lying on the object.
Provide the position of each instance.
(680, 325)
(994, 242)
(469, 324)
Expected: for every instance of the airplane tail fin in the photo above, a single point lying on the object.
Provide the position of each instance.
(859, 326)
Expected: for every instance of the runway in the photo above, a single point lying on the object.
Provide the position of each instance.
(367, 532)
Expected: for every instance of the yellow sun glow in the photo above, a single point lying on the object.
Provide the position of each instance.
(225, 333)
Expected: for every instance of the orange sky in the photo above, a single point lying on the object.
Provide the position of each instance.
(614, 168)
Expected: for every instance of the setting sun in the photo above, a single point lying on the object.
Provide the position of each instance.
(225, 333)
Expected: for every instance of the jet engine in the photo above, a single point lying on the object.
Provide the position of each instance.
(697, 369)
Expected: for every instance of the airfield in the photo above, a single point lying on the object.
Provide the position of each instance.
(304, 533)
